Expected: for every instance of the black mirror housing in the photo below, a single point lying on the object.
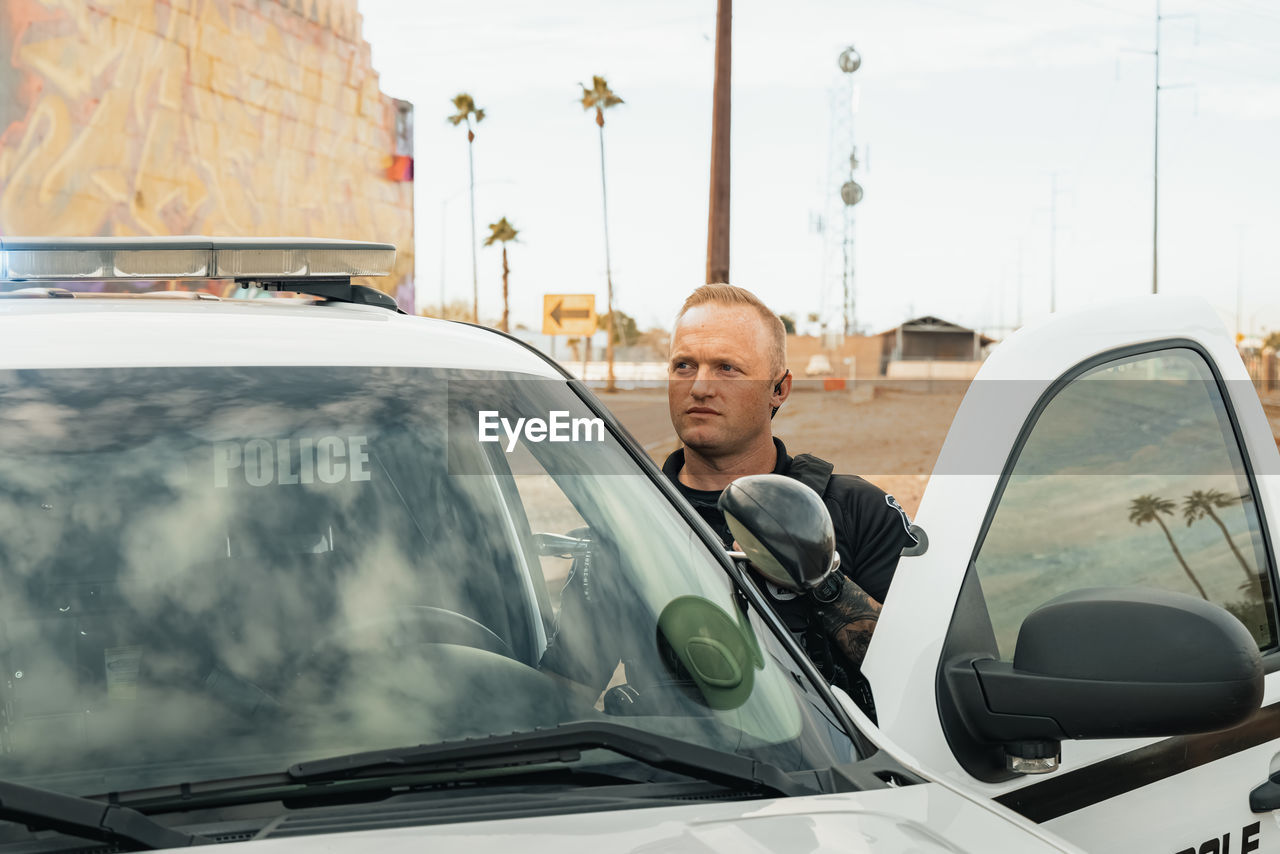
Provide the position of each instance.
(783, 527)
(1112, 663)
(1152, 663)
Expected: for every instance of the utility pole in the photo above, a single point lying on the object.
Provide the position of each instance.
(718, 209)
(1155, 158)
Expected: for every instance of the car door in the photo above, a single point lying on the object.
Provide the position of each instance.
(1123, 446)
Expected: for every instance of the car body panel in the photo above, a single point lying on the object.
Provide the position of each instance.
(920, 819)
(904, 655)
(125, 333)
(952, 811)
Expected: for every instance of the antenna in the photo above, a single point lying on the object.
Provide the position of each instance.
(842, 192)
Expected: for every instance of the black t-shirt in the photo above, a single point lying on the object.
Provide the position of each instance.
(870, 528)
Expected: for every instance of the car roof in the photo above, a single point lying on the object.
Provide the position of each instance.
(103, 332)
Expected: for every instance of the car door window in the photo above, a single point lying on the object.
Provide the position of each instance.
(1131, 476)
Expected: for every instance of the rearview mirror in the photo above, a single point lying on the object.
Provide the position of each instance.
(783, 527)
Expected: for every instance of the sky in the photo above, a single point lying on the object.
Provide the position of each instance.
(965, 115)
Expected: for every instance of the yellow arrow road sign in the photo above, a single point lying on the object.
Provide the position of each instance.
(569, 314)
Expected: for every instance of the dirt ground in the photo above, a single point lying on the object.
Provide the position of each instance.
(890, 437)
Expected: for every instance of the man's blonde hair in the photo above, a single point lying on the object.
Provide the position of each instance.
(732, 295)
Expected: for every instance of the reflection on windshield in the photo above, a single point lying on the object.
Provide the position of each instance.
(262, 565)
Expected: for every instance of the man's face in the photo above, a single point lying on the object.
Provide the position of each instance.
(720, 379)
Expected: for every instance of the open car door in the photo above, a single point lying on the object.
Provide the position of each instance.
(1116, 462)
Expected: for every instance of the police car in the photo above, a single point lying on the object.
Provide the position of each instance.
(301, 572)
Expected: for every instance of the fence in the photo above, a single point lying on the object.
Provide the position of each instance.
(1264, 369)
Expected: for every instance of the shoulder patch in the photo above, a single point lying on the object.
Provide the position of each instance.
(902, 514)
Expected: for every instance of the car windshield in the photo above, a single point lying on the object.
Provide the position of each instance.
(212, 572)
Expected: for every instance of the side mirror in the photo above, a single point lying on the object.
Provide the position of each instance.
(784, 529)
(1109, 663)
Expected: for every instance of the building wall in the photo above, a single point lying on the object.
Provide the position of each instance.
(958, 345)
(218, 117)
(864, 350)
(938, 345)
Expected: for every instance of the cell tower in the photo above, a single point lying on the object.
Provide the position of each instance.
(841, 193)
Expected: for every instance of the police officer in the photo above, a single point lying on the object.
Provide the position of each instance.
(727, 377)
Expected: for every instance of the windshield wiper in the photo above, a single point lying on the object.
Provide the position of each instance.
(563, 743)
(87, 819)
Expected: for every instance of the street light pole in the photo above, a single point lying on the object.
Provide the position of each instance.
(1053, 245)
(444, 244)
(475, 280)
(610, 382)
(1019, 284)
(1239, 280)
(1054, 192)
(444, 209)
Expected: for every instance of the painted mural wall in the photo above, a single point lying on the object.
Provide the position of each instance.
(217, 117)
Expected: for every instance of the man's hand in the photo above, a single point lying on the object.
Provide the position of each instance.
(849, 619)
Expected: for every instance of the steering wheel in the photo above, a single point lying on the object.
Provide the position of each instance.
(410, 625)
(438, 625)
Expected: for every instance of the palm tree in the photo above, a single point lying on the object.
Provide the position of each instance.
(1201, 503)
(601, 97)
(1148, 508)
(468, 112)
(502, 232)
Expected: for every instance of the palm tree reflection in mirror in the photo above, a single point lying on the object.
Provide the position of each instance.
(1149, 508)
(1201, 503)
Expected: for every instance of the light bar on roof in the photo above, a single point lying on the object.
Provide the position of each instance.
(69, 258)
(61, 258)
(270, 258)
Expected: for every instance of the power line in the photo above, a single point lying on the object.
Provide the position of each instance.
(1239, 72)
(1243, 10)
(1112, 9)
(968, 13)
(1260, 46)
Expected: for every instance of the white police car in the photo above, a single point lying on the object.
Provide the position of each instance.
(287, 574)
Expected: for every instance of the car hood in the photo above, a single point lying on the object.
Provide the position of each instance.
(923, 819)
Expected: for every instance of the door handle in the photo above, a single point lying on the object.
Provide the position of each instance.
(1266, 797)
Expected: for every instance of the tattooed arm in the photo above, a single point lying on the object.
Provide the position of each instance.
(849, 619)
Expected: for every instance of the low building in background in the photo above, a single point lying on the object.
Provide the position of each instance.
(931, 348)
